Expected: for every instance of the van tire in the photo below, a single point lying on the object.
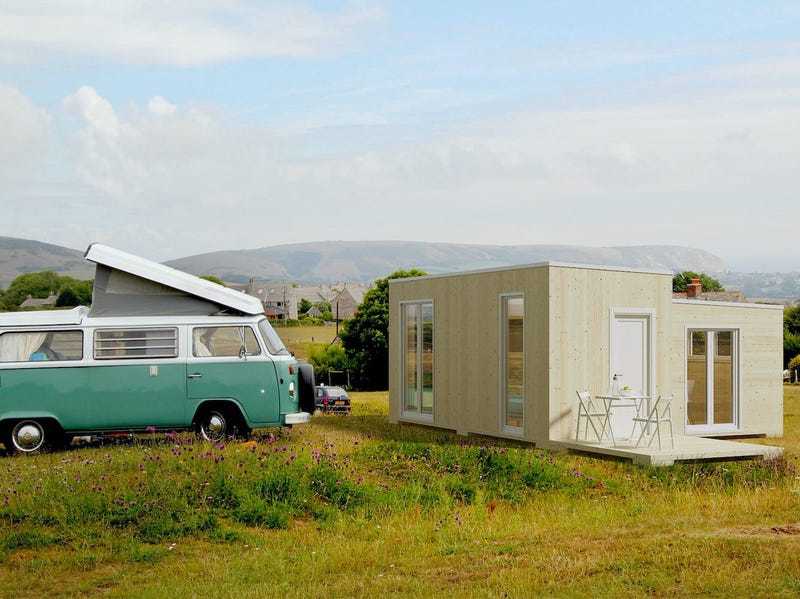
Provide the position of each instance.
(30, 436)
(217, 422)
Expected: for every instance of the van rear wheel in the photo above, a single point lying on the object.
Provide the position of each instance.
(25, 436)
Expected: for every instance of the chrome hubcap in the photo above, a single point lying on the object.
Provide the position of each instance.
(214, 428)
(27, 436)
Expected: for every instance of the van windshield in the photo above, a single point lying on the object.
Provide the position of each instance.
(271, 338)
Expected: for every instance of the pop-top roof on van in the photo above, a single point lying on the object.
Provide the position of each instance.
(127, 285)
(40, 318)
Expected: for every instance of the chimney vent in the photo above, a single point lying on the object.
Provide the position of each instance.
(695, 288)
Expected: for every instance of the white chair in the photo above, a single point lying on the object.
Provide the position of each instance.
(660, 412)
(589, 411)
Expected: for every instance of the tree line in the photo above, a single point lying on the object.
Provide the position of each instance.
(70, 292)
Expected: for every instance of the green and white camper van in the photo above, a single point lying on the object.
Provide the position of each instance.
(158, 350)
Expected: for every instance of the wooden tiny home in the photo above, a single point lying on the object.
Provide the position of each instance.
(502, 352)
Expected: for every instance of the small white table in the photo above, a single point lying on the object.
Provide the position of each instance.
(612, 402)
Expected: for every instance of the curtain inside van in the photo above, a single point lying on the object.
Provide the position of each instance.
(117, 293)
(19, 347)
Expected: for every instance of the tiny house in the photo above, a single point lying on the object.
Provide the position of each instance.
(158, 350)
(503, 352)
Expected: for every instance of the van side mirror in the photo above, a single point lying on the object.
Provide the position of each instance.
(243, 353)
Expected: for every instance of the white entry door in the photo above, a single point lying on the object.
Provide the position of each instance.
(630, 361)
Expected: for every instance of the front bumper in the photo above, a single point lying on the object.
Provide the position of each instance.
(297, 418)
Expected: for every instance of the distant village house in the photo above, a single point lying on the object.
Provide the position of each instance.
(39, 302)
(281, 301)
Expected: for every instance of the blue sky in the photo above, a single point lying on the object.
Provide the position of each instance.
(188, 126)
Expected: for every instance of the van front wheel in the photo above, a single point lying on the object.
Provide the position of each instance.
(212, 425)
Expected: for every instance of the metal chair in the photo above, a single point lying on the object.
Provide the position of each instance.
(589, 411)
(660, 412)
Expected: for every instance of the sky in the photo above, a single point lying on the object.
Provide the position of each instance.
(185, 126)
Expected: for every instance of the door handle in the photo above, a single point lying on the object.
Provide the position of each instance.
(194, 375)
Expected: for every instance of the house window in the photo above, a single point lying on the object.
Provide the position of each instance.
(417, 356)
(224, 342)
(711, 379)
(41, 346)
(124, 344)
(512, 358)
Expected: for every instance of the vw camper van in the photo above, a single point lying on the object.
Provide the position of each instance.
(158, 350)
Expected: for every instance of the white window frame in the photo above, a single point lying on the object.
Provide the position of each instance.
(263, 355)
(710, 428)
(417, 414)
(516, 431)
(48, 363)
(127, 359)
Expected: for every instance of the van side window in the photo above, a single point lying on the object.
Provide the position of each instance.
(41, 346)
(224, 342)
(126, 344)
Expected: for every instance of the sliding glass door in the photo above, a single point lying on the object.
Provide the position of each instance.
(417, 356)
(712, 366)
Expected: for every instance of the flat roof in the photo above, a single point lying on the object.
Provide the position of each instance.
(171, 277)
(40, 318)
(546, 264)
(701, 302)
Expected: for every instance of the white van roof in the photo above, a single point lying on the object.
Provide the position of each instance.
(39, 318)
(115, 259)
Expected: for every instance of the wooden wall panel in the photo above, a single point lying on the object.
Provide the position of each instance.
(580, 328)
(761, 361)
(467, 338)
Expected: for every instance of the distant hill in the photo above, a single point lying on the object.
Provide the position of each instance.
(767, 285)
(18, 256)
(332, 261)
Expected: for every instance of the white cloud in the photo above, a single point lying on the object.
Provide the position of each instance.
(23, 137)
(167, 179)
(160, 106)
(181, 32)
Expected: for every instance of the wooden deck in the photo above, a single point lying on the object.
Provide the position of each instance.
(686, 449)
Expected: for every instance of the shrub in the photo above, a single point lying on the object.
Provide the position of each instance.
(310, 321)
(326, 359)
(366, 336)
(681, 281)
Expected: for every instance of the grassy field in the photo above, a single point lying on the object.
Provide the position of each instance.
(355, 506)
(301, 340)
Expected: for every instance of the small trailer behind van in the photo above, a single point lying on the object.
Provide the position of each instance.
(159, 349)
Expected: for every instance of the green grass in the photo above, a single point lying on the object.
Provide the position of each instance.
(303, 340)
(356, 506)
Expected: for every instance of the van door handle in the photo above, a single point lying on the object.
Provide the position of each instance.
(194, 375)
